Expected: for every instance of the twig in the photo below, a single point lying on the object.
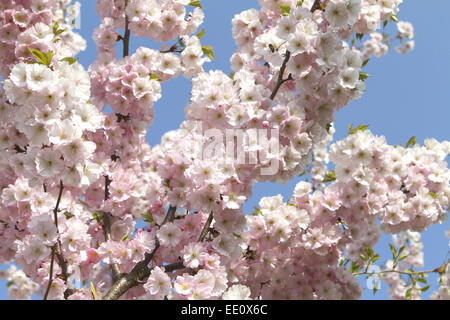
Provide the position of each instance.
(50, 279)
(280, 75)
(126, 36)
(56, 250)
(205, 229)
(140, 271)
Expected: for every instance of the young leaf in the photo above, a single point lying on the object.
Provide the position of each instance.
(330, 176)
(69, 60)
(286, 9)
(361, 127)
(153, 77)
(363, 75)
(299, 3)
(365, 63)
(196, 3)
(201, 34)
(394, 18)
(433, 195)
(394, 251)
(411, 142)
(424, 288)
(94, 292)
(39, 55)
(208, 51)
(409, 294)
(125, 237)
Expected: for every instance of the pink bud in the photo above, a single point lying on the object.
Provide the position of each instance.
(92, 255)
(149, 229)
(96, 229)
(265, 124)
(100, 228)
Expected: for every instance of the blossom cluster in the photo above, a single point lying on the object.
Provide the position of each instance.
(75, 179)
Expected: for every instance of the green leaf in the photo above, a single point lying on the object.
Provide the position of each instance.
(68, 215)
(201, 34)
(154, 77)
(148, 217)
(394, 18)
(195, 3)
(361, 127)
(285, 9)
(375, 258)
(422, 280)
(302, 173)
(359, 36)
(365, 63)
(39, 55)
(56, 30)
(181, 43)
(69, 60)
(125, 237)
(363, 75)
(369, 252)
(376, 286)
(299, 3)
(433, 195)
(94, 292)
(208, 51)
(424, 288)
(330, 176)
(363, 257)
(97, 216)
(257, 211)
(328, 127)
(411, 142)
(394, 251)
(385, 23)
(9, 284)
(409, 294)
(402, 258)
(354, 267)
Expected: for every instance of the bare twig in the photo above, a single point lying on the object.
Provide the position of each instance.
(281, 74)
(56, 251)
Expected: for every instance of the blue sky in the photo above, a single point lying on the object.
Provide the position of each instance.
(406, 96)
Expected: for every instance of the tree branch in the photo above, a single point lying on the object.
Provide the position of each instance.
(140, 270)
(126, 36)
(205, 229)
(280, 75)
(56, 250)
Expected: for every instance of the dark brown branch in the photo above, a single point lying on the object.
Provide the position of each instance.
(56, 250)
(140, 270)
(280, 80)
(126, 36)
(50, 279)
(174, 266)
(205, 229)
